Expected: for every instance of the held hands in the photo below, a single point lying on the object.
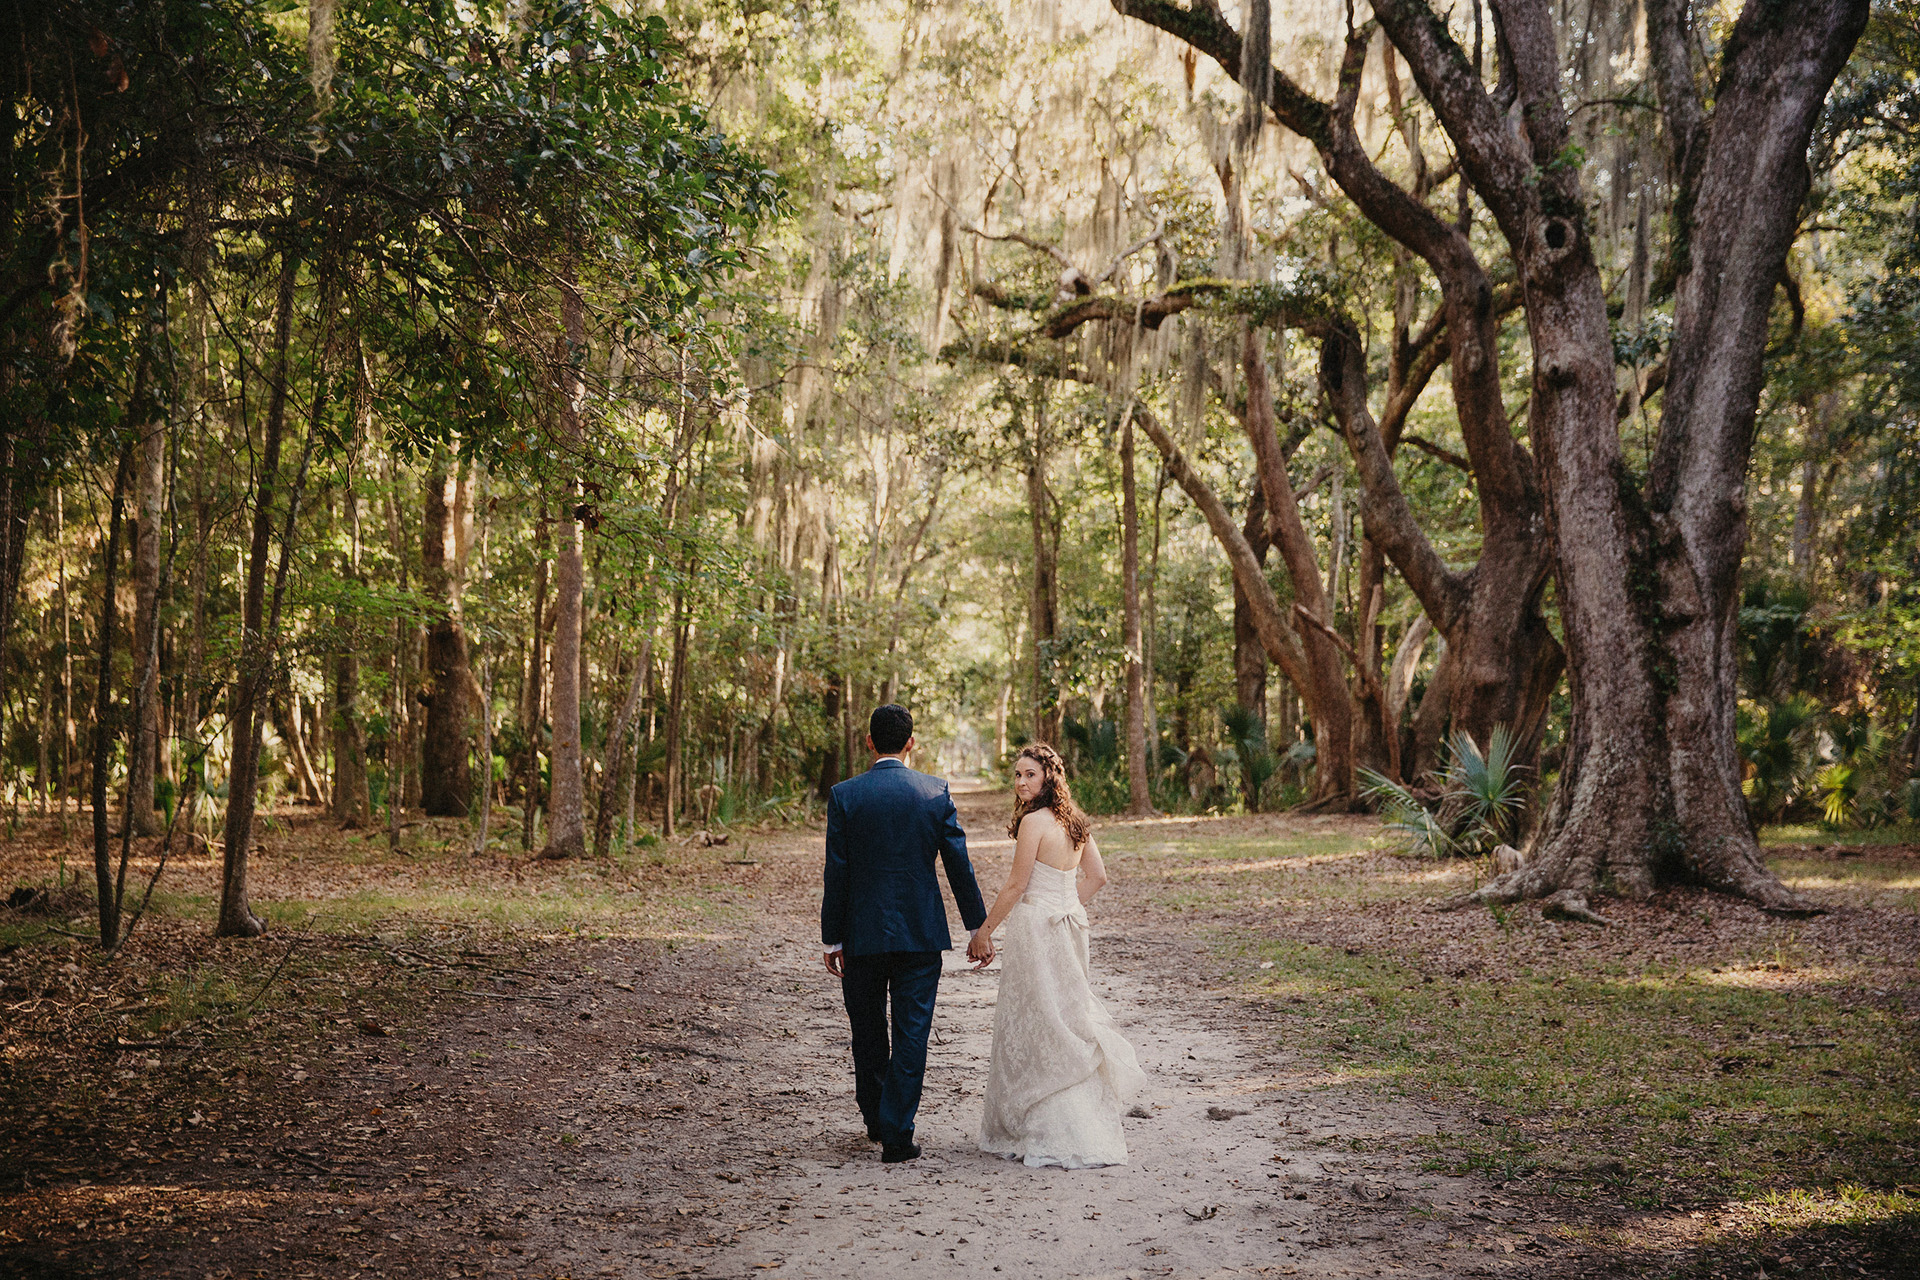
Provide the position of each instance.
(835, 962)
(980, 950)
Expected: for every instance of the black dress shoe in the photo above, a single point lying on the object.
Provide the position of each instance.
(908, 1150)
(873, 1134)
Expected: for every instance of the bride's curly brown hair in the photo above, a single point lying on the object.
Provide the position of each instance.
(1055, 795)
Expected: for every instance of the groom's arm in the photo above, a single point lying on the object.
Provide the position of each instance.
(953, 852)
(833, 901)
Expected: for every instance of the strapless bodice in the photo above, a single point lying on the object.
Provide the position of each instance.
(1055, 891)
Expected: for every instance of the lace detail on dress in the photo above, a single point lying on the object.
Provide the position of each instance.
(1061, 1072)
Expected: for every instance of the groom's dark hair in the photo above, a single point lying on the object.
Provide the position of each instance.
(890, 727)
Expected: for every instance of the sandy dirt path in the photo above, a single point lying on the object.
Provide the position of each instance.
(1249, 1161)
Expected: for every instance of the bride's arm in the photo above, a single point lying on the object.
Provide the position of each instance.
(1093, 872)
(1026, 849)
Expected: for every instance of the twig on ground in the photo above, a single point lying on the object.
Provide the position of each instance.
(500, 995)
(284, 956)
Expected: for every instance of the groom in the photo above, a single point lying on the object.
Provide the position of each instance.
(883, 923)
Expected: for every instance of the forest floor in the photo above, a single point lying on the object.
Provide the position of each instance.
(439, 1065)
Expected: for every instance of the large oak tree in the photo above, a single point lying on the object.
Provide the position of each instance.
(1647, 565)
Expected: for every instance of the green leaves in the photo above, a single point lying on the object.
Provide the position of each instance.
(1481, 795)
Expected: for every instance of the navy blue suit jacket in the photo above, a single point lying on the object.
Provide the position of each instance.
(884, 829)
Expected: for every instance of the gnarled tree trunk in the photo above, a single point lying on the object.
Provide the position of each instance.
(1648, 571)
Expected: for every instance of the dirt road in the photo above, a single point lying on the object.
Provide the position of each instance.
(680, 1104)
(1246, 1162)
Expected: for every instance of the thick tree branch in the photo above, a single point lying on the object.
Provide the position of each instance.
(1053, 251)
(1433, 450)
(1150, 312)
(1389, 517)
(1656, 379)
(1670, 49)
(1207, 30)
(1279, 640)
(1484, 146)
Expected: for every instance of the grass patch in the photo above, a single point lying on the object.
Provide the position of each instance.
(1658, 1088)
(1814, 833)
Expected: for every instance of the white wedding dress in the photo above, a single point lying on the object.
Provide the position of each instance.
(1061, 1070)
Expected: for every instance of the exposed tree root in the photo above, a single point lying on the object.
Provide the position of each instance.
(1570, 904)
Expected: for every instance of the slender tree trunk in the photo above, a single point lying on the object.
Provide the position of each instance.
(830, 754)
(566, 816)
(451, 694)
(1045, 612)
(1806, 515)
(152, 469)
(676, 705)
(192, 694)
(43, 761)
(107, 891)
(236, 913)
(1249, 656)
(1150, 631)
(403, 778)
(616, 752)
(1139, 782)
(352, 798)
(485, 754)
(532, 709)
(1325, 691)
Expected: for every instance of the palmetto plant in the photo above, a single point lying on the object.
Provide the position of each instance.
(1257, 761)
(1480, 800)
(1488, 785)
(1860, 747)
(1838, 785)
(1777, 743)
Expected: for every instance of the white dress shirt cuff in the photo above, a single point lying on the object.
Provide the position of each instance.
(835, 947)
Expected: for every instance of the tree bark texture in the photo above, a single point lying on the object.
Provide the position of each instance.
(620, 756)
(1045, 613)
(532, 708)
(1647, 570)
(352, 798)
(1249, 656)
(1325, 689)
(676, 706)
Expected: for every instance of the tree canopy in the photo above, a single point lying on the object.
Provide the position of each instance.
(586, 414)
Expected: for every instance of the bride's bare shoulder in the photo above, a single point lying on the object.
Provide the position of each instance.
(1039, 822)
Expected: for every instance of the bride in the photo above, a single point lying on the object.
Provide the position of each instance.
(1061, 1070)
